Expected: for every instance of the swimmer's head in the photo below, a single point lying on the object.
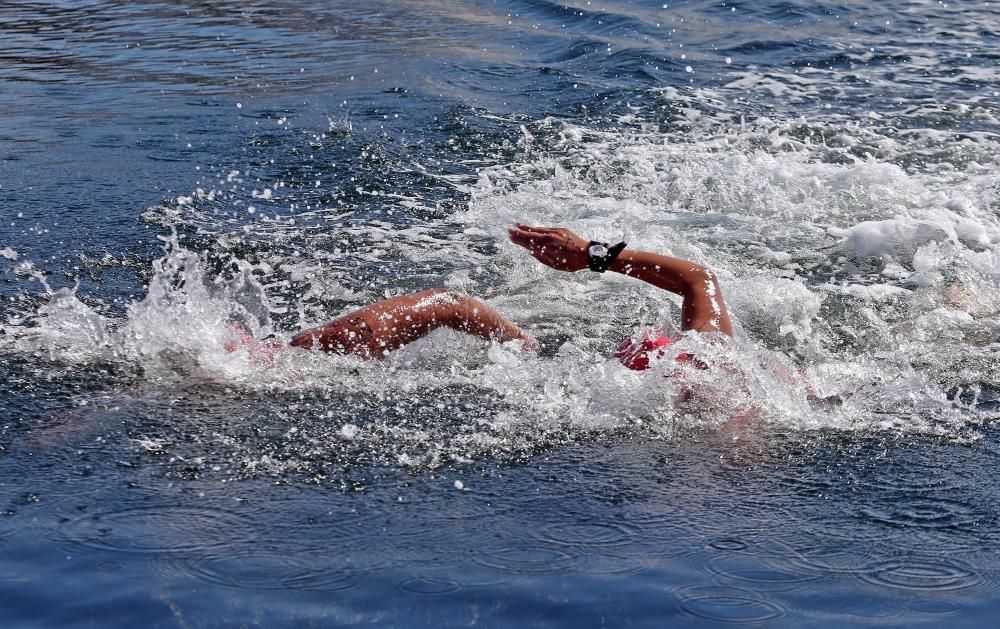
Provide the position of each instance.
(635, 354)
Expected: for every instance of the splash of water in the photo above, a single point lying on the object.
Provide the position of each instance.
(864, 294)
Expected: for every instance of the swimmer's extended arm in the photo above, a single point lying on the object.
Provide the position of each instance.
(387, 325)
(703, 309)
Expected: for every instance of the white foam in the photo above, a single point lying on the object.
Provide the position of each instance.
(770, 222)
(848, 273)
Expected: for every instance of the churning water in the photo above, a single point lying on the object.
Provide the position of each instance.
(169, 168)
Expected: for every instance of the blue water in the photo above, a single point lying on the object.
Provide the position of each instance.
(168, 167)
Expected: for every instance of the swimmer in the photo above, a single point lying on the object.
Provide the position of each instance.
(382, 327)
(702, 310)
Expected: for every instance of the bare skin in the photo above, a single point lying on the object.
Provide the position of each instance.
(373, 331)
(702, 310)
(382, 327)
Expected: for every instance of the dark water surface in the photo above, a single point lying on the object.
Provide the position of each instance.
(169, 167)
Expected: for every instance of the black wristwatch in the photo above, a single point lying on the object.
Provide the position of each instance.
(600, 256)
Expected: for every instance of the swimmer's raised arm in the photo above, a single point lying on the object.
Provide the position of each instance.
(703, 308)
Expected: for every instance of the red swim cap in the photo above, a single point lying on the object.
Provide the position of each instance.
(635, 354)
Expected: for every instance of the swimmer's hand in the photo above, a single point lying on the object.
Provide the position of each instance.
(557, 247)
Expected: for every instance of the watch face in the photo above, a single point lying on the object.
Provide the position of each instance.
(598, 251)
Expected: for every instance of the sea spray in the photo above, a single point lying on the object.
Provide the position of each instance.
(856, 287)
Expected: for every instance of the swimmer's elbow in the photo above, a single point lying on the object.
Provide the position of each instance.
(709, 277)
(700, 280)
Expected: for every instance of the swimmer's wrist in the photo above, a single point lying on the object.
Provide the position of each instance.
(601, 256)
(622, 263)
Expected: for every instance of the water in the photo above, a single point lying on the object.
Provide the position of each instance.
(166, 168)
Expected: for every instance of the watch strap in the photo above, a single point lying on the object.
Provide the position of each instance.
(600, 264)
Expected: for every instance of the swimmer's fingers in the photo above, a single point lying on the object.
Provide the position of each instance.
(537, 230)
(532, 243)
(526, 235)
(561, 233)
(539, 245)
(558, 248)
(530, 240)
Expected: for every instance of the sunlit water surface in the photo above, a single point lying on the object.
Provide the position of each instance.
(169, 168)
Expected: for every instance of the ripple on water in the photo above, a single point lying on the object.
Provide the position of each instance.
(573, 541)
(919, 473)
(155, 529)
(931, 607)
(661, 537)
(419, 541)
(338, 518)
(924, 513)
(757, 542)
(110, 566)
(922, 573)
(762, 573)
(949, 541)
(614, 564)
(834, 557)
(728, 544)
(732, 605)
(425, 585)
(852, 529)
(586, 534)
(261, 567)
(63, 494)
(756, 557)
(524, 558)
(392, 532)
(348, 526)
